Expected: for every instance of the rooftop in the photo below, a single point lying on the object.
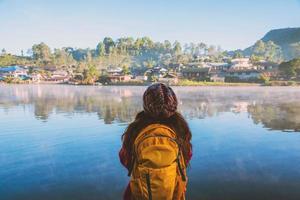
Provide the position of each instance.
(195, 69)
(243, 70)
(10, 68)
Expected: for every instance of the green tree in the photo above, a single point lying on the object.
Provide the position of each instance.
(149, 63)
(7, 59)
(88, 57)
(109, 45)
(203, 48)
(290, 69)
(167, 46)
(100, 49)
(125, 69)
(78, 54)
(62, 57)
(259, 48)
(166, 59)
(267, 50)
(295, 50)
(177, 49)
(212, 50)
(238, 54)
(256, 58)
(3, 52)
(90, 74)
(42, 53)
(264, 78)
(273, 51)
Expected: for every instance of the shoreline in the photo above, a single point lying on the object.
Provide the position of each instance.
(193, 84)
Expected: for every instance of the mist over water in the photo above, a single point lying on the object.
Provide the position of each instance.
(62, 142)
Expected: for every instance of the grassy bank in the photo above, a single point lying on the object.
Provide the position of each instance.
(131, 83)
(203, 83)
(282, 83)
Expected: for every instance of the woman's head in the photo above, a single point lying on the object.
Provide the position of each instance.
(160, 105)
(159, 101)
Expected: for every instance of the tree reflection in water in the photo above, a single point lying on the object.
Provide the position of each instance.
(275, 108)
(284, 116)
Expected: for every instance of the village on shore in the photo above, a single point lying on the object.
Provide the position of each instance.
(237, 70)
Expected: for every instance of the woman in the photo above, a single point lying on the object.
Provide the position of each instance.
(156, 148)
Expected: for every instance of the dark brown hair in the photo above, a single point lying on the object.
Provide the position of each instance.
(176, 122)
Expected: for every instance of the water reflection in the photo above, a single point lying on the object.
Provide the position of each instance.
(283, 116)
(55, 143)
(275, 108)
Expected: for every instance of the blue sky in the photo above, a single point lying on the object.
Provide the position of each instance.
(232, 23)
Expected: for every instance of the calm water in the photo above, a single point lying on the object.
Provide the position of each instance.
(61, 142)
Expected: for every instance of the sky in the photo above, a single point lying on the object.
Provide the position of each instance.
(232, 24)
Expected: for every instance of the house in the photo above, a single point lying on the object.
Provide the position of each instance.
(119, 78)
(175, 66)
(218, 66)
(196, 73)
(243, 74)
(114, 71)
(13, 72)
(116, 75)
(217, 71)
(36, 77)
(266, 65)
(59, 76)
(50, 68)
(169, 79)
(241, 63)
(217, 75)
(156, 72)
(140, 78)
(197, 64)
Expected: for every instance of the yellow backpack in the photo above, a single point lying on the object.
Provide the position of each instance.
(158, 171)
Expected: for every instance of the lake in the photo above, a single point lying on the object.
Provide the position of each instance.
(61, 142)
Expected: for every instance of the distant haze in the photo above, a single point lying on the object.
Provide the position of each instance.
(232, 24)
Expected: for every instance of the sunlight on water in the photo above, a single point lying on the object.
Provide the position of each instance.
(62, 142)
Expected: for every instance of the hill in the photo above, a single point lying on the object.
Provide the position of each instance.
(283, 37)
(288, 39)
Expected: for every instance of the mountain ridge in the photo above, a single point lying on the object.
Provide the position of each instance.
(288, 39)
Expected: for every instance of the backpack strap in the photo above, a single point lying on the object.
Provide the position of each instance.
(131, 166)
(183, 177)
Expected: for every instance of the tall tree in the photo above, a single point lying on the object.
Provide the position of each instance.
(41, 52)
(109, 44)
(238, 54)
(177, 49)
(295, 49)
(62, 57)
(90, 74)
(259, 48)
(3, 51)
(212, 50)
(266, 50)
(203, 47)
(273, 51)
(167, 46)
(100, 49)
